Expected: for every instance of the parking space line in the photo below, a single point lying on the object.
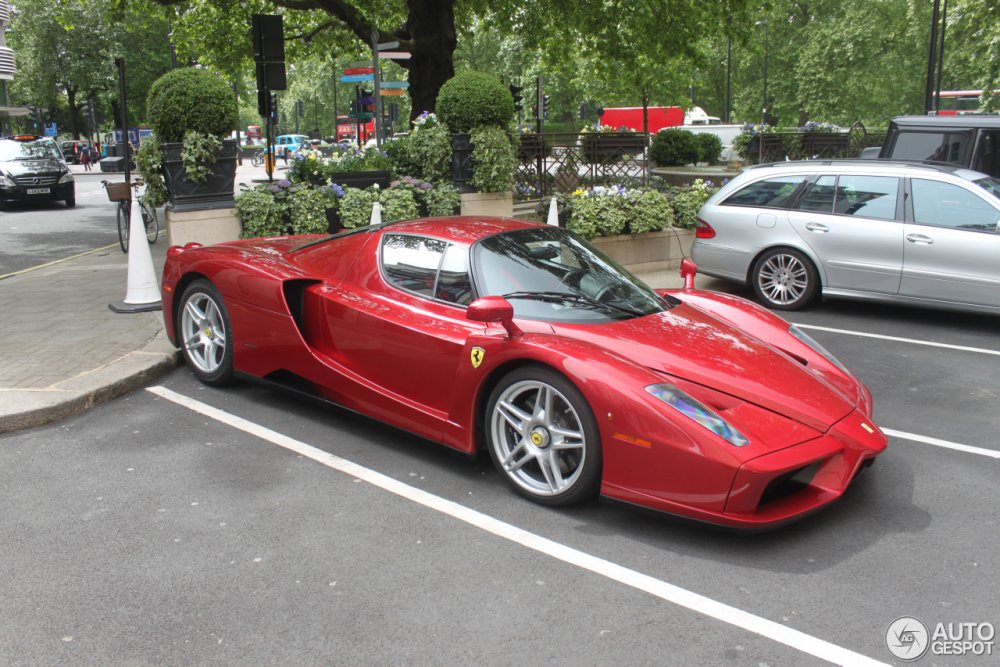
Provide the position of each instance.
(679, 596)
(992, 453)
(913, 341)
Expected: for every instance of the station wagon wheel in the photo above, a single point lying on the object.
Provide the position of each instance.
(785, 279)
(205, 334)
(543, 438)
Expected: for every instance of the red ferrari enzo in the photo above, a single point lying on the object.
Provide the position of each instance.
(526, 341)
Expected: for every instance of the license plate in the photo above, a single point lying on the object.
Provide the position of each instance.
(39, 191)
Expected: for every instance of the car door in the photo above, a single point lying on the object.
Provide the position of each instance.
(408, 337)
(850, 223)
(952, 247)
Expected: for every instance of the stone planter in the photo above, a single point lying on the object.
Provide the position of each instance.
(488, 204)
(461, 162)
(606, 148)
(651, 251)
(361, 179)
(214, 192)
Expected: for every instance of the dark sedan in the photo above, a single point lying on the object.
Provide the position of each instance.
(32, 169)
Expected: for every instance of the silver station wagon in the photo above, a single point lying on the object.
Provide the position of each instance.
(914, 233)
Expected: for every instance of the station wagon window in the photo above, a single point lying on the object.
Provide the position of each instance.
(947, 205)
(411, 262)
(774, 192)
(867, 196)
(819, 195)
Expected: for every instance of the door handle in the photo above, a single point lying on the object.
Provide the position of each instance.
(919, 238)
(817, 227)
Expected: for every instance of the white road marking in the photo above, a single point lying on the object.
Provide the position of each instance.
(912, 341)
(698, 603)
(992, 453)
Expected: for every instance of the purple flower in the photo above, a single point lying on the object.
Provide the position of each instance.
(274, 188)
(424, 185)
(284, 183)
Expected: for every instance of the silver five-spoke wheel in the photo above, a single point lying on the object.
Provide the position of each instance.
(204, 333)
(542, 437)
(785, 279)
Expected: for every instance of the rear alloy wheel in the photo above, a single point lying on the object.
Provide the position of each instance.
(542, 436)
(205, 333)
(785, 279)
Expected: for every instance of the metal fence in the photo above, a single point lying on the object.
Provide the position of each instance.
(558, 162)
(779, 146)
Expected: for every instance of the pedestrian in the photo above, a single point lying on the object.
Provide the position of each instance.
(85, 157)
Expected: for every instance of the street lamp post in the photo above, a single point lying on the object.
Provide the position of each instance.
(764, 104)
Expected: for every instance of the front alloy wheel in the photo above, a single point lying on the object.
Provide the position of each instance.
(542, 436)
(205, 334)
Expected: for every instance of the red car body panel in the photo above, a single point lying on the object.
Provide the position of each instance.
(324, 314)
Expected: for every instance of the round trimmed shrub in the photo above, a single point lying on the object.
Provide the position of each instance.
(709, 147)
(470, 99)
(674, 147)
(189, 99)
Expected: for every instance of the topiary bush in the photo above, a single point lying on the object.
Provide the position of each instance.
(674, 147)
(470, 99)
(494, 159)
(709, 147)
(190, 100)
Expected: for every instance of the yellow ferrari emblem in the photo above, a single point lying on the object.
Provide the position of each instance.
(536, 439)
(866, 427)
(478, 354)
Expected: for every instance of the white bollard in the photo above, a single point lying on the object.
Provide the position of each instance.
(553, 213)
(376, 218)
(142, 293)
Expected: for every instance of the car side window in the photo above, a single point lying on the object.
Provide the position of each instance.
(819, 195)
(453, 282)
(867, 196)
(774, 192)
(411, 262)
(947, 205)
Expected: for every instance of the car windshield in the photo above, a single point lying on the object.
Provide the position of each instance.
(549, 274)
(28, 150)
(990, 184)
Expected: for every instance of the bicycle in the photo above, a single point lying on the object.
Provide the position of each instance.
(257, 158)
(120, 193)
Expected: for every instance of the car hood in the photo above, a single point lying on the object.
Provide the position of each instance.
(29, 167)
(693, 345)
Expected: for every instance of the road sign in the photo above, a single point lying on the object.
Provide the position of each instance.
(358, 70)
(395, 84)
(385, 46)
(366, 100)
(361, 115)
(361, 63)
(50, 130)
(357, 78)
(393, 92)
(394, 55)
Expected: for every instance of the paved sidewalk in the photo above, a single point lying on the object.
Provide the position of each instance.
(62, 349)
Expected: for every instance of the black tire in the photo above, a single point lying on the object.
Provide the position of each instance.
(205, 333)
(122, 217)
(150, 222)
(784, 279)
(560, 460)
(71, 202)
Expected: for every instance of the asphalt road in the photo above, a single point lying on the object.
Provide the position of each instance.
(153, 531)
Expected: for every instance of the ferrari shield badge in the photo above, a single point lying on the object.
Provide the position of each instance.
(477, 356)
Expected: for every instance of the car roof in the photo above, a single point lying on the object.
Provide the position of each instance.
(964, 121)
(847, 163)
(465, 230)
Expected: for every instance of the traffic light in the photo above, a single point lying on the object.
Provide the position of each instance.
(545, 107)
(300, 107)
(515, 92)
(273, 111)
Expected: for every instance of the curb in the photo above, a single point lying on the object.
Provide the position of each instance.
(21, 409)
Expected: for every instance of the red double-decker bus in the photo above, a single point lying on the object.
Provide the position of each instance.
(958, 102)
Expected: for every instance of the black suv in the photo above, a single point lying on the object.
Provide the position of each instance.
(971, 140)
(32, 169)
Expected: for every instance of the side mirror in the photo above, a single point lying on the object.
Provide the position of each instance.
(688, 271)
(494, 309)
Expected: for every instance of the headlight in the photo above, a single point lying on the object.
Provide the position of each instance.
(6, 181)
(66, 178)
(694, 409)
(807, 339)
